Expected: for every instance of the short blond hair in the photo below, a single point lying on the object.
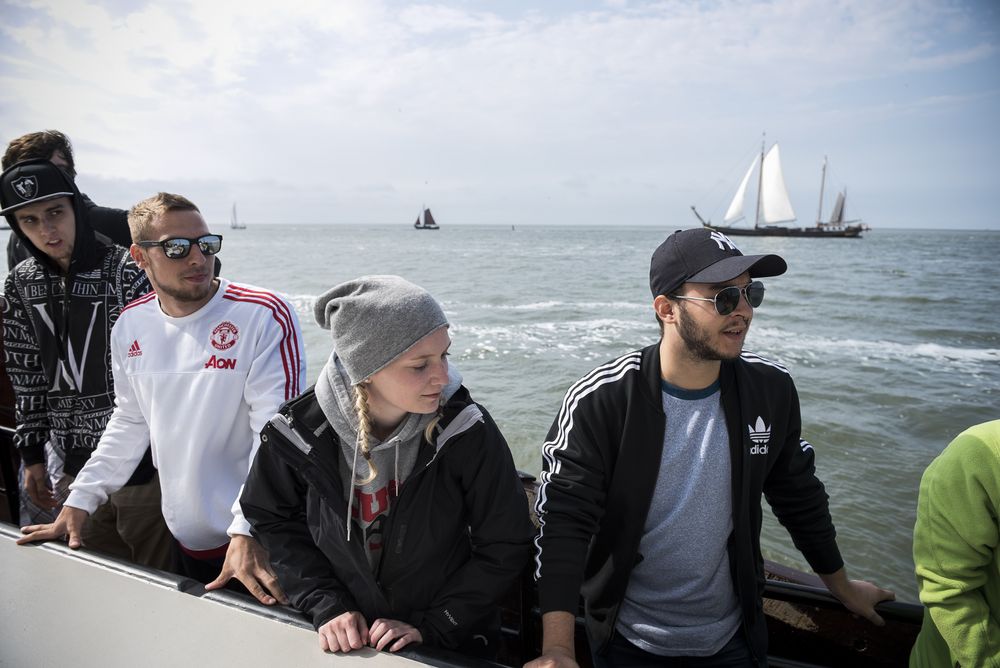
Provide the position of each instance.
(142, 215)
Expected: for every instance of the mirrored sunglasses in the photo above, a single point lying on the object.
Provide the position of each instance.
(727, 299)
(179, 247)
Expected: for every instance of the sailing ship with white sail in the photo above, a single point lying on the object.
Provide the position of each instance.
(773, 211)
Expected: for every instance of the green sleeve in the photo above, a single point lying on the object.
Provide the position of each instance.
(954, 545)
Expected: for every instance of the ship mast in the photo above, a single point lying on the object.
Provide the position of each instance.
(822, 184)
(760, 181)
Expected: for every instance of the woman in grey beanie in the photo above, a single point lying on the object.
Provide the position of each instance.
(387, 498)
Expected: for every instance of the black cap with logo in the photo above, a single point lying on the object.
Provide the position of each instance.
(703, 255)
(32, 181)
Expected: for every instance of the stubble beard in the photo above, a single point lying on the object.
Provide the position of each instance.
(698, 340)
(181, 293)
(188, 294)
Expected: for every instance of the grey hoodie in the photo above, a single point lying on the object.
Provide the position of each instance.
(394, 457)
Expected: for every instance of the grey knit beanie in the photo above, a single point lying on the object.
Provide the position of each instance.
(375, 319)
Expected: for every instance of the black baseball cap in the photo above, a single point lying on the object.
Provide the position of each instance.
(32, 181)
(703, 255)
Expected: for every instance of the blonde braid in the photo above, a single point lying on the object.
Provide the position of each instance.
(364, 428)
(432, 425)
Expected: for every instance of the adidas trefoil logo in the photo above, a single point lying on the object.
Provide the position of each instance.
(760, 434)
(134, 350)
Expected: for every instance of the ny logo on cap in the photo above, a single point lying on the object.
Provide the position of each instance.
(26, 187)
(723, 241)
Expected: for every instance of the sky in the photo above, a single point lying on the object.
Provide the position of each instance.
(555, 112)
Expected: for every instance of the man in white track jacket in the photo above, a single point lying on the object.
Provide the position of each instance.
(200, 366)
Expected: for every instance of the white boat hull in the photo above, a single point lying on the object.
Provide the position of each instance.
(73, 608)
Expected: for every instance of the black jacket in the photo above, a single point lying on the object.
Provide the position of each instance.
(57, 351)
(600, 462)
(454, 541)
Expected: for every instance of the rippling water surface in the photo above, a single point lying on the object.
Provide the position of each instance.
(893, 340)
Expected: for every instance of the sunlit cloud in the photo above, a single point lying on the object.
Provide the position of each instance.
(385, 103)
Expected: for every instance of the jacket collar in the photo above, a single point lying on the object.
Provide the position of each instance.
(651, 373)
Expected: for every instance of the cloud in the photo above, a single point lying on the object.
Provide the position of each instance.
(445, 100)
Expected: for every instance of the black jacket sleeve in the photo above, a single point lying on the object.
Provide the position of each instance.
(22, 360)
(273, 503)
(798, 498)
(571, 499)
(500, 531)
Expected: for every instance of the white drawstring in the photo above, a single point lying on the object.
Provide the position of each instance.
(396, 471)
(350, 495)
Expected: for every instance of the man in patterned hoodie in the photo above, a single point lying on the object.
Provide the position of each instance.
(60, 306)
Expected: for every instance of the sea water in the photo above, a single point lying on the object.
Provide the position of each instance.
(893, 340)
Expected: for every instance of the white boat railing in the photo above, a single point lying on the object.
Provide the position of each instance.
(74, 607)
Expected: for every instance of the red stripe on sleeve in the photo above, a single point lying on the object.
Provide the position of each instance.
(289, 341)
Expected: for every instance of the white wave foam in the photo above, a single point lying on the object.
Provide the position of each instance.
(576, 338)
(878, 350)
(303, 304)
(607, 307)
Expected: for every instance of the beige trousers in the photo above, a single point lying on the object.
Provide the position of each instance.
(130, 526)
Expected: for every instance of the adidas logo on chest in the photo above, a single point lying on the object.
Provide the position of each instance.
(760, 436)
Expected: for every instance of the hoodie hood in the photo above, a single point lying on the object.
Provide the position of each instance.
(32, 181)
(394, 457)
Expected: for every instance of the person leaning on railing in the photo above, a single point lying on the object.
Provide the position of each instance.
(386, 497)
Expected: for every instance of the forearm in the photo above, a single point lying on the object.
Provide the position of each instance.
(558, 633)
(858, 596)
(111, 465)
(837, 582)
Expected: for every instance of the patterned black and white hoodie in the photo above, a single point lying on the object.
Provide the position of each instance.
(56, 330)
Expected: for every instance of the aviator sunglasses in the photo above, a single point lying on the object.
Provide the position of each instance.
(727, 299)
(179, 247)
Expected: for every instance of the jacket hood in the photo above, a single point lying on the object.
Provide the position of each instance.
(335, 395)
(51, 182)
(393, 458)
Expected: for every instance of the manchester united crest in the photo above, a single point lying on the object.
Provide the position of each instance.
(224, 335)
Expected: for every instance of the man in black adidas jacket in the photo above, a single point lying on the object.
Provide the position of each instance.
(653, 473)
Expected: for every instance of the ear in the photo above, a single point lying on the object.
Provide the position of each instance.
(136, 253)
(665, 309)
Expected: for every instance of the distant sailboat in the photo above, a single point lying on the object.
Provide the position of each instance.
(838, 218)
(428, 222)
(774, 208)
(234, 221)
